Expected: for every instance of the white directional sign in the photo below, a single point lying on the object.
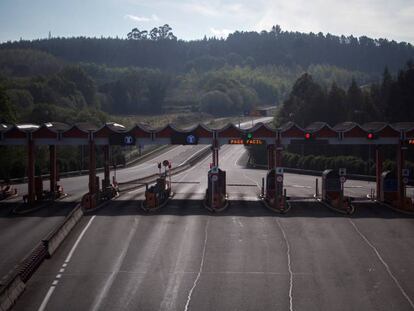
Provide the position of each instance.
(279, 170)
(342, 179)
(279, 178)
(342, 171)
(128, 140)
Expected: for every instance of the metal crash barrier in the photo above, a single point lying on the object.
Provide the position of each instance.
(216, 197)
(273, 194)
(332, 194)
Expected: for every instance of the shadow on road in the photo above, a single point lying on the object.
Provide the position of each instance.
(246, 209)
(194, 207)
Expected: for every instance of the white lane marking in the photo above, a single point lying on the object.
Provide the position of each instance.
(64, 265)
(46, 299)
(289, 265)
(201, 267)
(58, 276)
(108, 284)
(52, 288)
(55, 282)
(384, 263)
(61, 270)
(68, 258)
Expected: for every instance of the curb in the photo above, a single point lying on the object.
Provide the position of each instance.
(10, 292)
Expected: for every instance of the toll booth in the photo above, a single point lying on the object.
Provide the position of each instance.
(274, 196)
(157, 195)
(333, 192)
(216, 199)
(331, 185)
(274, 183)
(389, 187)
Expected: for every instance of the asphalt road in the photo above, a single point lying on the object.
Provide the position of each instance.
(20, 234)
(247, 258)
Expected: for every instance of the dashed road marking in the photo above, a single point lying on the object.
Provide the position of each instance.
(67, 260)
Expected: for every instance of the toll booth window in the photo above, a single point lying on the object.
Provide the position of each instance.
(333, 184)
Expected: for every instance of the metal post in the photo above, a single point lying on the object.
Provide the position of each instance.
(270, 157)
(379, 161)
(31, 171)
(53, 170)
(316, 187)
(92, 167)
(400, 166)
(106, 166)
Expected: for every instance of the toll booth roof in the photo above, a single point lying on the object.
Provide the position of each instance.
(288, 125)
(84, 126)
(27, 127)
(344, 126)
(57, 126)
(4, 127)
(389, 175)
(374, 126)
(330, 174)
(116, 127)
(316, 126)
(403, 126)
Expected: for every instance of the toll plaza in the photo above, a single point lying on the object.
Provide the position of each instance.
(100, 139)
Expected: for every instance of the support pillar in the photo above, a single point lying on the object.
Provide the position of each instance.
(215, 152)
(31, 171)
(278, 154)
(106, 166)
(92, 167)
(53, 168)
(378, 169)
(400, 166)
(270, 157)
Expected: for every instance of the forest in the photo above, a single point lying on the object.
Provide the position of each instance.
(310, 77)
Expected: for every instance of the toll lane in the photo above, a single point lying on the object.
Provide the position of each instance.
(246, 258)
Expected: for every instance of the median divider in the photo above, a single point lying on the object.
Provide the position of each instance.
(15, 284)
(191, 161)
(9, 293)
(57, 236)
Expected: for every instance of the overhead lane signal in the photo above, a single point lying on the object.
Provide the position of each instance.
(308, 135)
(371, 136)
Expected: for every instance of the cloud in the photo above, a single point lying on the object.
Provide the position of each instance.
(221, 33)
(152, 18)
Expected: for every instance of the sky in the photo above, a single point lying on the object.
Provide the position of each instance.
(193, 19)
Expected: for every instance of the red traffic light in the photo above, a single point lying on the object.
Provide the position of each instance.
(308, 135)
(370, 136)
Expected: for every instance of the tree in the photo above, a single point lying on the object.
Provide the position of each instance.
(8, 113)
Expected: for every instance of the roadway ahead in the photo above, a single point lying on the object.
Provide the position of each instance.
(248, 258)
(20, 234)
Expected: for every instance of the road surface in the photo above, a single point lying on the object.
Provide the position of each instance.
(247, 258)
(20, 234)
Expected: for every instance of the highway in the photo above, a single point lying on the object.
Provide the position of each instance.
(247, 258)
(25, 231)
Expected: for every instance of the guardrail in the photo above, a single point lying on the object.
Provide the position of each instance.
(98, 169)
(140, 182)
